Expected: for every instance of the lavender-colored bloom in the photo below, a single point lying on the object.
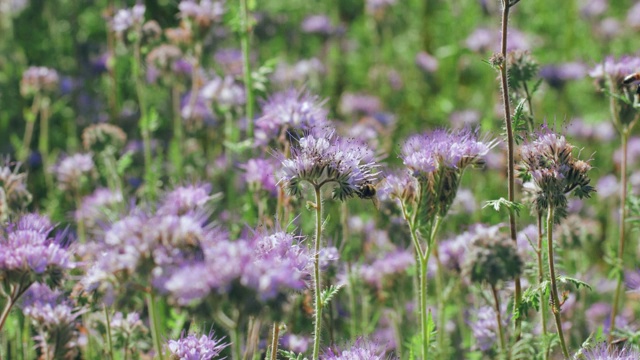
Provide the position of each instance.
(616, 69)
(426, 62)
(381, 270)
(322, 156)
(593, 8)
(359, 104)
(609, 28)
(260, 174)
(38, 79)
(70, 171)
(601, 131)
(194, 347)
(360, 350)
(377, 6)
(126, 324)
(299, 73)
(485, 328)
(603, 352)
(230, 60)
(185, 199)
(196, 110)
(464, 118)
(608, 187)
(452, 252)
(95, 208)
(224, 92)
(549, 163)
(633, 152)
(317, 24)
(399, 185)
(14, 195)
(558, 75)
(126, 19)
(633, 16)
(484, 39)
(291, 109)
(203, 12)
(296, 343)
(632, 280)
(26, 250)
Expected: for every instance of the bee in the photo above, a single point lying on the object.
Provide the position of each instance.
(631, 79)
(369, 191)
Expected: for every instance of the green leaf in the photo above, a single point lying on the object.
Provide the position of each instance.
(124, 162)
(531, 298)
(498, 204)
(328, 294)
(576, 282)
(290, 355)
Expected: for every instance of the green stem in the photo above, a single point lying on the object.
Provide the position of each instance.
(82, 233)
(555, 301)
(621, 238)
(155, 325)
(275, 336)
(424, 328)
(510, 151)
(144, 123)
(178, 137)
(5, 312)
(245, 33)
(28, 132)
(543, 300)
(316, 276)
(43, 141)
(109, 341)
(496, 299)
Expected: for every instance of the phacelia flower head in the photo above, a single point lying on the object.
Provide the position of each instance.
(548, 163)
(615, 69)
(436, 160)
(194, 347)
(38, 79)
(55, 319)
(204, 13)
(485, 328)
(322, 157)
(492, 257)
(128, 19)
(70, 171)
(260, 174)
(184, 199)
(103, 137)
(28, 252)
(382, 271)
(287, 110)
(603, 352)
(360, 350)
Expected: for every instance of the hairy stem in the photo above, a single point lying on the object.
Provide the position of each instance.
(555, 301)
(543, 300)
(510, 150)
(496, 299)
(144, 122)
(28, 132)
(275, 336)
(621, 225)
(43, 141)
(178, 137)
(5, 312)
(155, 325)
(109, 341)
(316, 276)
(248, 81)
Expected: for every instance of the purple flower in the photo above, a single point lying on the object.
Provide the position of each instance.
(608, 187)
(296, 343)
(287, 110)
(464, 118)
(484, 39)
(317, 24)
(230, 60)
(633, 16)
(382, 270)
(377, 6)
(594, 8)
(426, 62)
(126, 19)
(97, 207)
(360, 350)
(185, 199)
(558, 75)
(260, 174)
(26, 249)
(359, 104)
(70, 171)
(193, 347)
(485, 327)
(196, 110)
(616, 69)
(603, 352)
(224, 92)
(203, 12)
(38, 79)
(299, 73)
(323, 157)
(14, 195)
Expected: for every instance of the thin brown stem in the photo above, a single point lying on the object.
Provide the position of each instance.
(555, 300)
(543, 300)
(510, 151)
(496, 299)
(275, 336)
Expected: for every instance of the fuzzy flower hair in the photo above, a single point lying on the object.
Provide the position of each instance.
(360, 350)
(602, 352)
(553, 172)
(322, 157)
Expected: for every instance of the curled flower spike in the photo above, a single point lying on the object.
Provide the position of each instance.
(323, 157)
(193, 347)
(548, 163)
(360, 350)
(603, 352)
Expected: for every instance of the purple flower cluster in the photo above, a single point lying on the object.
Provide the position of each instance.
(202, 12)
(70, 170)
(27, 251)
(192, 347)
(485, 328)
(360, 350)
(322, 157)
(603, 352)
(381, 271)
(38, 79)
(616, 69)
(98, 207)
(269, 264)
(287, 110)
(14, 195)
(354, 104)
(127, 19)
(260, 174)
(549, 164)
